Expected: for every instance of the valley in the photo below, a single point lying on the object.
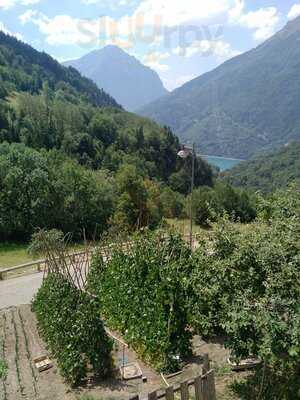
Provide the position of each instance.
(164, 270)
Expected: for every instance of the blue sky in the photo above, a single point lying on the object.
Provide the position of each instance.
(180, 39)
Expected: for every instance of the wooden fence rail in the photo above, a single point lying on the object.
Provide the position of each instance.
(203, 388)
(31, 267)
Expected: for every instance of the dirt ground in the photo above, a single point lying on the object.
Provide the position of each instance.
(20, 343)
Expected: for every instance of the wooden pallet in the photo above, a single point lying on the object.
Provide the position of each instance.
(42, 363)
(131, 371)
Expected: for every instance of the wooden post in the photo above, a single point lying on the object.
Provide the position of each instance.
(205, 388)
(206, 364)
(184, 390)
(152, 396)
(170, 393)
(212, 385)
(198, 388)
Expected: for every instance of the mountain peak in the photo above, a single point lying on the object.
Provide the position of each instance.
(113, 48)
(131, 83)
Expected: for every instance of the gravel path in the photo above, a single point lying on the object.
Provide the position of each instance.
(18, 291)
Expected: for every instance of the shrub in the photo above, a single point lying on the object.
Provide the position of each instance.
(247, 287)
(3, 369)
(69, 320)
(142, 296)
(211, 203)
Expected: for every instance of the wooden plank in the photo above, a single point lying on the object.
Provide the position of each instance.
(198, 388)
(170, 393)
(212, 386)
(206, 364)
(184, 390)
(205, 388)
(152, 396)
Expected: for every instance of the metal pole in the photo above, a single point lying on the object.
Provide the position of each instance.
(192, 191)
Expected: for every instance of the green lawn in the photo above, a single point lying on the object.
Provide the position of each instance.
(183, 226)
(12, 254)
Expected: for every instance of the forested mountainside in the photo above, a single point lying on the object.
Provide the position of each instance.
(130, 82)
(270, 171)
(248, 104)
(66, 162)
(22, 68)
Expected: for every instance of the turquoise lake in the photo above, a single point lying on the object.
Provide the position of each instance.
(221, 162)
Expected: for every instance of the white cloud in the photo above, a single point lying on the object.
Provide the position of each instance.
(218, 48)
(63, 29)
(177, 12)
(156, 56)
(146, 24)
(8, 32)
(294, 11)
(157, 66)
(66, 30)
(263, 21)
(6, 4)
(27, 16)
(153, 60)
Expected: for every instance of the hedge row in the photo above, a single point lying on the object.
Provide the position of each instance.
(142, 296)
(70, 323)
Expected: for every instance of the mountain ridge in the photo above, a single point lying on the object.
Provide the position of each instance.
(26, 69)
(123, 76)
(229, 111)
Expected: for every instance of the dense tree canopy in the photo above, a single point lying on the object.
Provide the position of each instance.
(40, 189)
(270, 171)
(23, 68)
(209, 203)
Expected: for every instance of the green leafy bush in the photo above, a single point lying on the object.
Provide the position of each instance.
(69, 320)
(3, 369)
(211, 203)
(142, 296)
(247, 287)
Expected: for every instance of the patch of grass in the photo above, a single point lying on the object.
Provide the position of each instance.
(3, 369)
(183, 227)
(12, 254)
(221, 370)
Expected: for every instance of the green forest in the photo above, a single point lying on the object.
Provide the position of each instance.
(72, 159)
(268, 171)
